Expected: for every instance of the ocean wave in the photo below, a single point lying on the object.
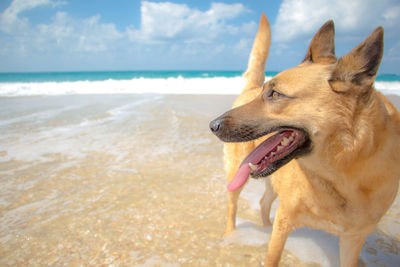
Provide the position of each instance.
(178, 85)
(172, 85)
(392, 88)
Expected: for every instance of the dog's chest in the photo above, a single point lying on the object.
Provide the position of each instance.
(323, 207)
(315, 202)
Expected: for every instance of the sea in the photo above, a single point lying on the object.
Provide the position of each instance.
(142, 82)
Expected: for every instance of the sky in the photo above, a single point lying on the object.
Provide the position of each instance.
(97, 35)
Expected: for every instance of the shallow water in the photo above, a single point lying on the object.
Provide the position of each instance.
(135, 180)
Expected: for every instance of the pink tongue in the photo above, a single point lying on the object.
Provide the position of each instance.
(241, 177)
(243, 173)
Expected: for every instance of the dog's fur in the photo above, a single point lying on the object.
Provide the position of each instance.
(350, 178)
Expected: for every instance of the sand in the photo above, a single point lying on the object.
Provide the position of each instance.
(131, 180)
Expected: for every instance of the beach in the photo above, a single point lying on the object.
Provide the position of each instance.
(106, 153)
(138, 180)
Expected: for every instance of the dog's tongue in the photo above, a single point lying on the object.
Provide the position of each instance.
(243, 173)
(241, 177)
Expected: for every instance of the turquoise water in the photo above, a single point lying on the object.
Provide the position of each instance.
(113, 75)
(142, 82)
(127, 75)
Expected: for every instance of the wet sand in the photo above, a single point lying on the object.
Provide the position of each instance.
(131, 180)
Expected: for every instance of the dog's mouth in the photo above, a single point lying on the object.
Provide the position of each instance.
(270, 155)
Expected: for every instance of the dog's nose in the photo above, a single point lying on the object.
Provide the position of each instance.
(215, 125)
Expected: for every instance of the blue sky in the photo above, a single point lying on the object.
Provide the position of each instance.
(75, 35)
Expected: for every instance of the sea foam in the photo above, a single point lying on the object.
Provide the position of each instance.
(179, 85)
(171, 85)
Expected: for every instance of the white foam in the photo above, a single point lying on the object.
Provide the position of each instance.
(73, 139)
(178, 85)
(387, 88)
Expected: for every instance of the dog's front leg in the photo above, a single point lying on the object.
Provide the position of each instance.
(233, 198)
(350, 248)
(266, 202)
(233, 156)
(282, 227)
(232, 209)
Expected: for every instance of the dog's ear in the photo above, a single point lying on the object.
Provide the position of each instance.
(322, 46)
(255, 73)
(357, 70)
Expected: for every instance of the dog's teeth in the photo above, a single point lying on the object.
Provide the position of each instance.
(291, 138)
(272, 154)
(279, 148)
(252, 166)
(285, 141)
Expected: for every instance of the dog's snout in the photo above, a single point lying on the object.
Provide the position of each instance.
(216, 125)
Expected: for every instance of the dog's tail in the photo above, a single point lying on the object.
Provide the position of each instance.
(255, 73)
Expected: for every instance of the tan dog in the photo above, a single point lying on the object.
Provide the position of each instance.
(334, 152)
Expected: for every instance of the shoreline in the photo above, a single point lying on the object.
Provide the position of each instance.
(230, 96)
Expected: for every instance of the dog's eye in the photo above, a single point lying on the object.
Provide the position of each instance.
(274, 95)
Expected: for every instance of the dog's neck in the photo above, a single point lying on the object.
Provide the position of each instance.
(356, 142)
(359, 140)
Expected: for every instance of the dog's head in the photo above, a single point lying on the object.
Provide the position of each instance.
(311, 107)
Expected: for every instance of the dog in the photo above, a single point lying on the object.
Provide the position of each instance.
(325, 138)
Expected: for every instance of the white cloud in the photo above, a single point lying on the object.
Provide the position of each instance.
(299, 18)
(176, 32)
(169, 21)
(87, 35)
(161, 22)
(392, 16)
(59, 30)
(244, 44)
(9, 20)
(64, 33)
(249, 28)
(394, 52)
